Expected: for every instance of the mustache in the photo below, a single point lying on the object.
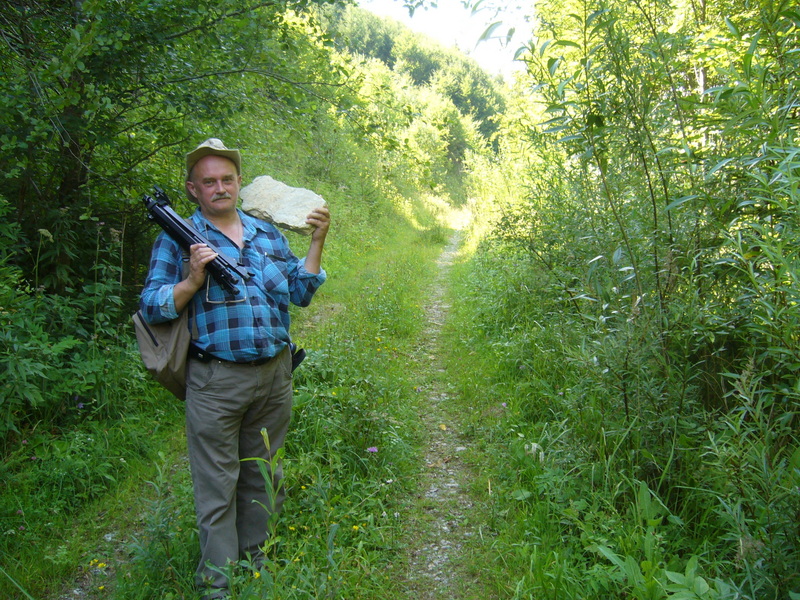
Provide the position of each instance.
(224, 196)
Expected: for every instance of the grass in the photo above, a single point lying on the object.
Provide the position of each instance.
(349, 456)
(588, 502)
(574, 498)
(65, 489)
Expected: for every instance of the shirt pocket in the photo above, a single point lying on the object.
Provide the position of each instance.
(274, 274)
(213, 293)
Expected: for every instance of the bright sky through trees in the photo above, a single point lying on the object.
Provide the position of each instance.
(452, 24)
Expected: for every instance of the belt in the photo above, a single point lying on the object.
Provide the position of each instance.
(203, 356)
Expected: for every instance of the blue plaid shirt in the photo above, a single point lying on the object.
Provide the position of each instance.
(252, 324)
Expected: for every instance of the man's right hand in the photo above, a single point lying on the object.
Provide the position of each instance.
(199, 256)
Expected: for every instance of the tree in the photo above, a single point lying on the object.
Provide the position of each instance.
(473, 92)
(96, 90)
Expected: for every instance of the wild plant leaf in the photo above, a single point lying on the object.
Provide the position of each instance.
(489, 31)
(747, 61)
(680, 201)
(567, 43)
(611, 556)
(521, 495)
(732, 28)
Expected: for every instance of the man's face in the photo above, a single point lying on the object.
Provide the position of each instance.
(215, 184)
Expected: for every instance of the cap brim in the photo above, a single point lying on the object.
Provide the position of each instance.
(193, 157)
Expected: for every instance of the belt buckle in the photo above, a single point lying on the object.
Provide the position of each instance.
(257, 362)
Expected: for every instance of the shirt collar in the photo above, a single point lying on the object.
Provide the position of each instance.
(250, 225)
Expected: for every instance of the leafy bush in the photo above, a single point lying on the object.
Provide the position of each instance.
(58, 353)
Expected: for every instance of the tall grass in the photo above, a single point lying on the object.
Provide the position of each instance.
(591, 502)
(351, 450)
(350, 453)
(633, 314)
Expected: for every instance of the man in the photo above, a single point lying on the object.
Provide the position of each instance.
(239, 369)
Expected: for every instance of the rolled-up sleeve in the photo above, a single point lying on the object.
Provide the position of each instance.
(157, 301)
(303, 284)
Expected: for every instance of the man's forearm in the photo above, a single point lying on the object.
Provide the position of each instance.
(182, 294)
(313, 262)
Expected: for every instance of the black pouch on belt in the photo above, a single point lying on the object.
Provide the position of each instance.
(298, 356)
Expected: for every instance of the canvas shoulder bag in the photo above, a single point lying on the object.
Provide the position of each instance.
(164, 347)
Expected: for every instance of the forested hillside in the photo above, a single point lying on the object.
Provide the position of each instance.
(624, 337)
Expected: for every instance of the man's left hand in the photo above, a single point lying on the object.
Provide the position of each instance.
(320, 218)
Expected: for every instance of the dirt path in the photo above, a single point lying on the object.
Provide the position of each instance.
(441, 519)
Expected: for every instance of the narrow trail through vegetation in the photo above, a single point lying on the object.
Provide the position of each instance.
(439, 523)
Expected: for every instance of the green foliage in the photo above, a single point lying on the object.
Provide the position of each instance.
(364, 33)
(471, 90)
(52, 356)
(164, 554)
(667, 207)
(97, 96)
(594, 503)
(635, 306)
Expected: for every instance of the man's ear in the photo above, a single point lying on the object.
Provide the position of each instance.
(190, 193)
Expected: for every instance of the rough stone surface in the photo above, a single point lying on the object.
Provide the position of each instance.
(280, 204)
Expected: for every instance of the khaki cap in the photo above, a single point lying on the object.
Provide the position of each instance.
(216, 147)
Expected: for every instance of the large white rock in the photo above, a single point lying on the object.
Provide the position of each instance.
(280, 204)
